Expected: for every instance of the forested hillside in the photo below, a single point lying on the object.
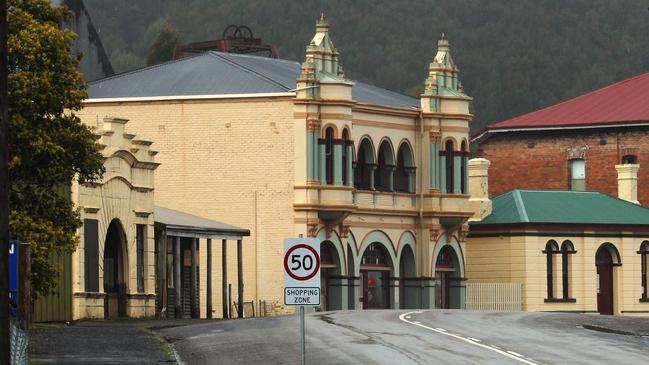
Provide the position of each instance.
(514, 56)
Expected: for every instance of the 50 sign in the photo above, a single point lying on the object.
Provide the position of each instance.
(302, 262)
(301, 271)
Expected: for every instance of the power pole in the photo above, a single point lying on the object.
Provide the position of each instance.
(4, 192)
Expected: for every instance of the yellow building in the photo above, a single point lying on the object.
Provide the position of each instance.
(570, 251)
(285, 149)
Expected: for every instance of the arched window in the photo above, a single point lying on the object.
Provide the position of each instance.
(345, 144)
(644, 252)
(550, 249)
(375, 255)
(449, 166)
(463, 172)
(630, 159)
(567, 249)
(577, 170)
(329, 151)
(384, 169)
(404, 173)
(363, 174)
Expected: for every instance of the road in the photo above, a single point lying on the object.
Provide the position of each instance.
(407, 337)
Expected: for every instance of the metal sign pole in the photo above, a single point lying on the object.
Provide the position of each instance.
(302, 346)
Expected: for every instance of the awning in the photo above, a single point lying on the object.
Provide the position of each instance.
(182, 224)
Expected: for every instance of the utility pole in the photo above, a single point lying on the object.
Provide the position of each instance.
(4, 192)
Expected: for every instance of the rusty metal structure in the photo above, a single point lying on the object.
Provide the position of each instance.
(235, 39)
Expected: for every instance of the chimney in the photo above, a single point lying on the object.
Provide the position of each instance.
(627, 182)
(479, 188)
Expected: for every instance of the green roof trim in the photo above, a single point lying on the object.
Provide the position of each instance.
(563, 207)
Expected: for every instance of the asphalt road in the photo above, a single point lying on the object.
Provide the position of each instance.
(406, 337)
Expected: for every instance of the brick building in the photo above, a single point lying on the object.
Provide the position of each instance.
(573, 145)
(287, 148)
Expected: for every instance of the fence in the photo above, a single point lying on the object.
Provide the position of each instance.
(493, 296)
(18, 343)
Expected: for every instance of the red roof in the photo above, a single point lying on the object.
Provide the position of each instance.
(624, 102)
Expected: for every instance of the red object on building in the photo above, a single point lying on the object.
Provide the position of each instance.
(236, 39)
(602, 128)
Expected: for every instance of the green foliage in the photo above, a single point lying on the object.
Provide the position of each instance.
(48, 145)
(164, 44)
(514, 56)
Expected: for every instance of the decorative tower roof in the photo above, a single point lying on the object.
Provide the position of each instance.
(443, 73)
(321, 51)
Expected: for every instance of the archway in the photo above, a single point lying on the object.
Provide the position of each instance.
(115, 271)
(403, 176)
(375, 277)
(447, 268)
(363, 173)
(330, 272)
(606, 257)
(384, 174)
(408, 288)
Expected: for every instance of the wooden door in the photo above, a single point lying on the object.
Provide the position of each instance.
(605, 288)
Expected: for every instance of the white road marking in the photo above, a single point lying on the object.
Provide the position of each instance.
(515, 353)
(496, 347)
(473, 339)
(408, 317)
(468, 340)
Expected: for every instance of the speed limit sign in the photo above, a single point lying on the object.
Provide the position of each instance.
(301, 271)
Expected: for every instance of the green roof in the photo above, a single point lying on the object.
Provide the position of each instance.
(567, 207)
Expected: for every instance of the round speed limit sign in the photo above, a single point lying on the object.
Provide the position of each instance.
(302, 262)
(301, 271)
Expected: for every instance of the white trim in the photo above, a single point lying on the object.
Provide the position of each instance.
(590, 126)
(187, 97)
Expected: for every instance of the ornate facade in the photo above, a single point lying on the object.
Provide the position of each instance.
(288, 149)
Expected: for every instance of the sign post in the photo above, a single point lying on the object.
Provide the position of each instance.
(302, 278)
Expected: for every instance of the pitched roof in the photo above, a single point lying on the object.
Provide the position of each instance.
(218, 73)
(563, 207)
(623, 102)
(180, 221)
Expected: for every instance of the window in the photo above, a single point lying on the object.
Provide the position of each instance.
(140, 230)
(329, 161)
(577, 169)
(567, 249)
(630, 159)
(449, 166)
(404, 174)
(644, 251)
(550, 249)
(91, 254)
(345, 144)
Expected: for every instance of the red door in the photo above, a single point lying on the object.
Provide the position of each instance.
(605, 288)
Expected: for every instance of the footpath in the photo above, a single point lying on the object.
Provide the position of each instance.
(102, 342)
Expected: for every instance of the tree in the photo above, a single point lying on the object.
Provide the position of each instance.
(163, 46)
(48, 145)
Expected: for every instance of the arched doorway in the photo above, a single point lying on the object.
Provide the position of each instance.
(447, 268)
(408, 288)
(605, 258)
(330, 272)
(115, 273)
(375, 277)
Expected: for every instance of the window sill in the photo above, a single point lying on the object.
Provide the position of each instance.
(644, 300)
(560, 300)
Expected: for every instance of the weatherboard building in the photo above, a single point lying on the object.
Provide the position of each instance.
(287, 148)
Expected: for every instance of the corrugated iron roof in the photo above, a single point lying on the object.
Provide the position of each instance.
(218, 73)
(563, 207)
(189, 222)
(623, 102)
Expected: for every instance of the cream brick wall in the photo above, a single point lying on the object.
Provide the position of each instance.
(520, 259)
(226, 160)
